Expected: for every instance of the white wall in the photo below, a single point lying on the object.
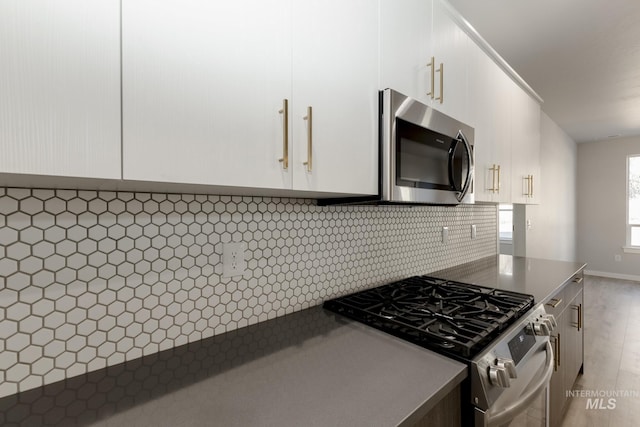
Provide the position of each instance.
(553, 222)
(602, 207)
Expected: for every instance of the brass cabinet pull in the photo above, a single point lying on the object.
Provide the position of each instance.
(555, 353)
(441, 71)
(493, 178)
(578, 308)
(529, 179)
(559, 345)
(285, 134)
(555, 303)
(580, 314)
(578, 280)
(309, 119)
(495, 173)
(432, 65)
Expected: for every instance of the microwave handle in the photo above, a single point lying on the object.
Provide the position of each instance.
(467, 183)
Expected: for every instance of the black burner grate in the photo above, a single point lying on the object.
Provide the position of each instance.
(448, 317)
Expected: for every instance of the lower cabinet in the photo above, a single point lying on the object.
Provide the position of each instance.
(568, 345)
(445, 413)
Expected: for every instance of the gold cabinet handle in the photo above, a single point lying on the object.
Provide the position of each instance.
(432, 65)
(580, 314)
(529, 192)
(578, 280)
(559, 345)
(556, 302)
(309, 119)
(285, 134)
(441, 71)
(493, 178)
(578, 308)
(495, 173)
(555, 353)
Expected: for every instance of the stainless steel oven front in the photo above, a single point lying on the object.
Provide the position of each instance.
(510, 379)
(426, 156)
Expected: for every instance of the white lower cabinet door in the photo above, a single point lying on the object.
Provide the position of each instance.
(60, 88)
(335, 73)
(203, 91)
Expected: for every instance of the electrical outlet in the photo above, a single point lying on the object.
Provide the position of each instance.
(233, 262)
(474, 232)
(445, 235)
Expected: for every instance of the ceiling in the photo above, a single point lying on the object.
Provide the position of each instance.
(581, 56)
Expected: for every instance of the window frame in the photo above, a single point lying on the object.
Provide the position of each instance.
(629, 248)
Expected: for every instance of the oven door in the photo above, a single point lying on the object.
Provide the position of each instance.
(525, 401)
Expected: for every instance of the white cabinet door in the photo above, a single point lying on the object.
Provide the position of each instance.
(60, 87)
(405, 47)
(203, 83)
(335, 72)
(450, 48)
(525, 137)
(490, 104)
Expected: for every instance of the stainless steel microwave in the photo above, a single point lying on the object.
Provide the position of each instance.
(425, 155)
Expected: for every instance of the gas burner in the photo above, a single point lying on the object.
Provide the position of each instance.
(455, 318)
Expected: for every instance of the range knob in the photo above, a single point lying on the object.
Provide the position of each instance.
(508, 365)
(551, 319)
(498, 376)
(542, 329)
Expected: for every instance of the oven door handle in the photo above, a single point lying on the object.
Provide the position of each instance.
(510, 412)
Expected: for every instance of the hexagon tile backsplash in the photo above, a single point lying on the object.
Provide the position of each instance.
(92, 278)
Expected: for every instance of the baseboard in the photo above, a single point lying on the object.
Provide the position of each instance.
(631, 277)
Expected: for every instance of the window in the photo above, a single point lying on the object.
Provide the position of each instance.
(506, 221)
(633, 202)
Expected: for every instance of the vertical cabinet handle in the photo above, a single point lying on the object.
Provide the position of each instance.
(495, 173)
(577, 308)
(529, 179)
(559, 345)
(580, 316)
(432, 65)
(285, 134)
(441, 71)
(555, 353)
(309, 119)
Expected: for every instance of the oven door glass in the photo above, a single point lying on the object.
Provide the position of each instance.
(430, 160)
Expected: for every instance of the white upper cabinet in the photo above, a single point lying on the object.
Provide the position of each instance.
(60, 88)
(335, 73)
(424, 54)
(525, 142)
(205, 83)
(405, 47)
(490, 93)
(450, 50)
(203, 88)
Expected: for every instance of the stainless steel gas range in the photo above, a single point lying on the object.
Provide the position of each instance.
(502, 336)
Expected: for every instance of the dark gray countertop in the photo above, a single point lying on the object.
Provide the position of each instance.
(310, 368)
(538, 277)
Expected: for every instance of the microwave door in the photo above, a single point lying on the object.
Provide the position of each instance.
(460, 166)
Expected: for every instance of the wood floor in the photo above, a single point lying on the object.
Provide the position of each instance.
(612, 355)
